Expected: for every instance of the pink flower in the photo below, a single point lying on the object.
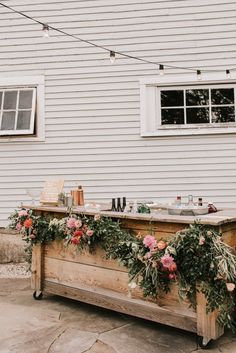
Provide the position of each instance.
(18, 226)
(149, 241)
(148, 255)
(167, 261)
(22, 213)
(161, 245)
(172, 276)
(230, 287)
(201, 240)
(71, 222)
(78, 223)
(89, 232)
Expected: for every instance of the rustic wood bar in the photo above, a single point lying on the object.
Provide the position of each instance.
(95, 280)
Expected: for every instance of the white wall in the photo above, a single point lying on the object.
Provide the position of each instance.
(92, 107)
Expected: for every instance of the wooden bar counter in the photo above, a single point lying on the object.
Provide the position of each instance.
(95, 280)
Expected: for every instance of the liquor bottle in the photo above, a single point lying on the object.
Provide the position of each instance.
(113, 205)
(119, 208)
(123, 203)
(80, 196)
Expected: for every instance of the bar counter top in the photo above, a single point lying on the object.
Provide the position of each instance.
(215, 219)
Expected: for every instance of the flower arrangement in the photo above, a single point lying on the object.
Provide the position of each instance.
(196, 257)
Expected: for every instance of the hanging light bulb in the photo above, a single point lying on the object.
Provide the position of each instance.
(45, 31)
(112, 57)
(199, 75)
(228, 73)
(161, 69)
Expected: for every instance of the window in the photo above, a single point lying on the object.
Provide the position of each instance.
(22, 109)
(17, 114)
(189, 108)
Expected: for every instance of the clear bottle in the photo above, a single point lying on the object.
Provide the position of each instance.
(80, 196)
(190, 200)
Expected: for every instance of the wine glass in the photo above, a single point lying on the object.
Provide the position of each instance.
(33, 194)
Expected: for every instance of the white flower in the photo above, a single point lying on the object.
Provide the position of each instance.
(230, 286)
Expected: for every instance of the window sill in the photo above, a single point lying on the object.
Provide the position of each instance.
(190, 132)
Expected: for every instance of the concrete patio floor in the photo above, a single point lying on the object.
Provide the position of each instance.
(59, 325)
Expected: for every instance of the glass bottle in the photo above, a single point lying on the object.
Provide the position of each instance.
(119, 208)
(113, 205)
(178, 201)
(190, 200)
(199, 201)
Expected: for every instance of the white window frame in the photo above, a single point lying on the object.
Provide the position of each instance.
(150, 104)
(37, 82)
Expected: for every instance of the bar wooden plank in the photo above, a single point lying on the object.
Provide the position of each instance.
(118, 302)
(37, 268)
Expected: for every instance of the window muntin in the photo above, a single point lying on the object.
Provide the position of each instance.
(189, 107)
(17, 111)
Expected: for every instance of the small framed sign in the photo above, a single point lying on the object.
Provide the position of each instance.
(51, 190)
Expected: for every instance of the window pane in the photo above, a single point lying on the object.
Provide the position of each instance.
(25, 99)
(172, 116)
(222, 96)
(23, 121)
(197, 97)
(10, 100)
(172, 98)
(197, 115)
(223, 114)
(8, 121)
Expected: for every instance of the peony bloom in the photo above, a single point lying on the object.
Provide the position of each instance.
(71, 222)
(18, 226)
(167, 261)
(28, 223)
(22, 213)
(78, 233)
(230, 287)
(89, 232)
(161, 245)
(148, 255)
(149, 241)
(75, 240)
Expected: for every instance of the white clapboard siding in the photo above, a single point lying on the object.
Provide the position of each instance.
(92, 108)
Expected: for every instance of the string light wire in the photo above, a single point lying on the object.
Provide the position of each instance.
(94, 44)
(159, 65)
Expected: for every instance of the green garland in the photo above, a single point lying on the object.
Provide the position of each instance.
(196, 258)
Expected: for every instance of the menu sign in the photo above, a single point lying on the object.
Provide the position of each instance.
(51, 190)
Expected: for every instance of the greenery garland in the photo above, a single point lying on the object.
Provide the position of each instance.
(196, 257)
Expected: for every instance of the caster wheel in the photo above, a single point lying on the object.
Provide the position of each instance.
(203, 342)
(38, 295)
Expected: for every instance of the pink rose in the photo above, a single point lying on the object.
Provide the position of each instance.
(78, 223)
(71, 222)
(18, 226)
(89, 232)
(149, 241)
(172, 276)
(230, 287)
(148, 255)
(22, 213)
(167, 261)
(161, 245)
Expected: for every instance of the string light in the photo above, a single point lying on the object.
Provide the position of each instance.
(45, 31)
(112, 57)
(228, 74)
(199, 75)
(112, 53)
(161, 69)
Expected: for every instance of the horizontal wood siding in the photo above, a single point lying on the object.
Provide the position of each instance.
(92, 107)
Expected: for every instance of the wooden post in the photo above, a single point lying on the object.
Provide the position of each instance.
(207, 325)
(36, 267)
